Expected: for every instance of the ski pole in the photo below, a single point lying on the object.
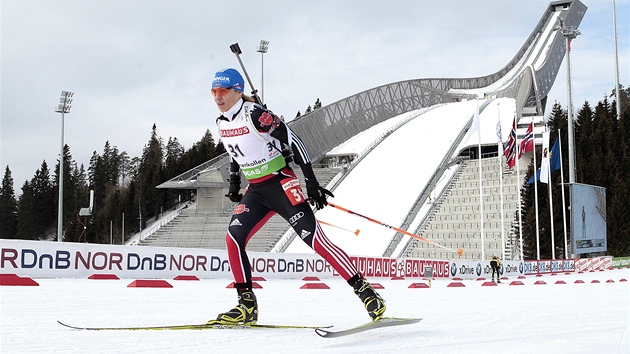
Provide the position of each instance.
(356, 232)
(459, 251)
(237, 51)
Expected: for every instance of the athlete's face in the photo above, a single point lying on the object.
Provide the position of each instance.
(225, 98)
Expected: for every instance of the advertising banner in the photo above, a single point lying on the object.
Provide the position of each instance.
(78, 260)
(620, 262)
(476, 269)
(588, 217)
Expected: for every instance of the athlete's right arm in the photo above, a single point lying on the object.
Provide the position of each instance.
(235, 182)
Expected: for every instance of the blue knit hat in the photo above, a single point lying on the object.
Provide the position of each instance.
(228, 78)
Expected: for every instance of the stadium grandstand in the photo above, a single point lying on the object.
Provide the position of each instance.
(405, 154)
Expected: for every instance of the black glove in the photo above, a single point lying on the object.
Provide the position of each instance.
(235, 187)
(317, 194)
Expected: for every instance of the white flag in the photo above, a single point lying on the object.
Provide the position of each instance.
(544, 163)
(499, 134)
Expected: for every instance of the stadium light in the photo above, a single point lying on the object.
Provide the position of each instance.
(570, 33)
(63, 108)
(617, 94)
(262, 49)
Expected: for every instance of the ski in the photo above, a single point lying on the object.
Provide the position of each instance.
(383, 322)
(217, 325)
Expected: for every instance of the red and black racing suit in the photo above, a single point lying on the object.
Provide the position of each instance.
(275, 191)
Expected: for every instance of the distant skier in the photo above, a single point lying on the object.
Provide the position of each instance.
(495, 263)
(254, 136)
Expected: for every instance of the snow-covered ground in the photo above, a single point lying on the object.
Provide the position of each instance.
(551, 318)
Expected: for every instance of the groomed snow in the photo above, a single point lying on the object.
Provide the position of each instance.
(529, 318)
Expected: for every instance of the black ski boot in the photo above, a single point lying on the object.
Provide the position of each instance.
(246, 312)
(374, 303)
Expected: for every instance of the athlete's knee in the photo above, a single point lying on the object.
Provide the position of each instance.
(233, 237)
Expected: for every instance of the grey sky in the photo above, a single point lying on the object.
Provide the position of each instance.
(132, 63)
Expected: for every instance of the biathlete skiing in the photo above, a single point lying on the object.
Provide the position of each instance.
(253, 137)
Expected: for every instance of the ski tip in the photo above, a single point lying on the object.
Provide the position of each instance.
(382, 322)
(322, 332)
(68, 326)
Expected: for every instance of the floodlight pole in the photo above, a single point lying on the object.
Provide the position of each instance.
(262, 49)
(617, 94)
(63, 107)
(570, 33)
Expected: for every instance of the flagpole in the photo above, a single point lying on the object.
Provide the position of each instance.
(520, 207)
(545, 177)
(564, 209)
(523, 148)
(483, 254)
(518, 190)
(500, 153)
(536, 204)
(553, 239)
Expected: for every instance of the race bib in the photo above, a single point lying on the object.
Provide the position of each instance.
(292, 189)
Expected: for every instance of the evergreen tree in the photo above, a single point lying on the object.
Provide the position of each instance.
(8, 207)
(584, 135)
(93, 168)
(530, 244)
(45, 206)
(125, 167)
(98, 179)
(27, 227)
(201, 152)
(150, 199)
(71, 192)
(111, 161)
(173, 162)
(220, 149)
(130, 210)
(206, 147)
(37, 208)
(76, 229)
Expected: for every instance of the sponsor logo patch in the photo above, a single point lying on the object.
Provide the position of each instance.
(226, 133)
(294, 219)
(240, 209)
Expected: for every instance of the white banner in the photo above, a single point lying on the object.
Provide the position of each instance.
(476, 269)
(79, 260)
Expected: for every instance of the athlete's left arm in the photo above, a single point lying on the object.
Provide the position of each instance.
(267, 122)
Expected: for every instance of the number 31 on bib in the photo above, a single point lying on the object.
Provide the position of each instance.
(292, 189)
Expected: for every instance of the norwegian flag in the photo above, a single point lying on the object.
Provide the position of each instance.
(510, 149)
(527, 144)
